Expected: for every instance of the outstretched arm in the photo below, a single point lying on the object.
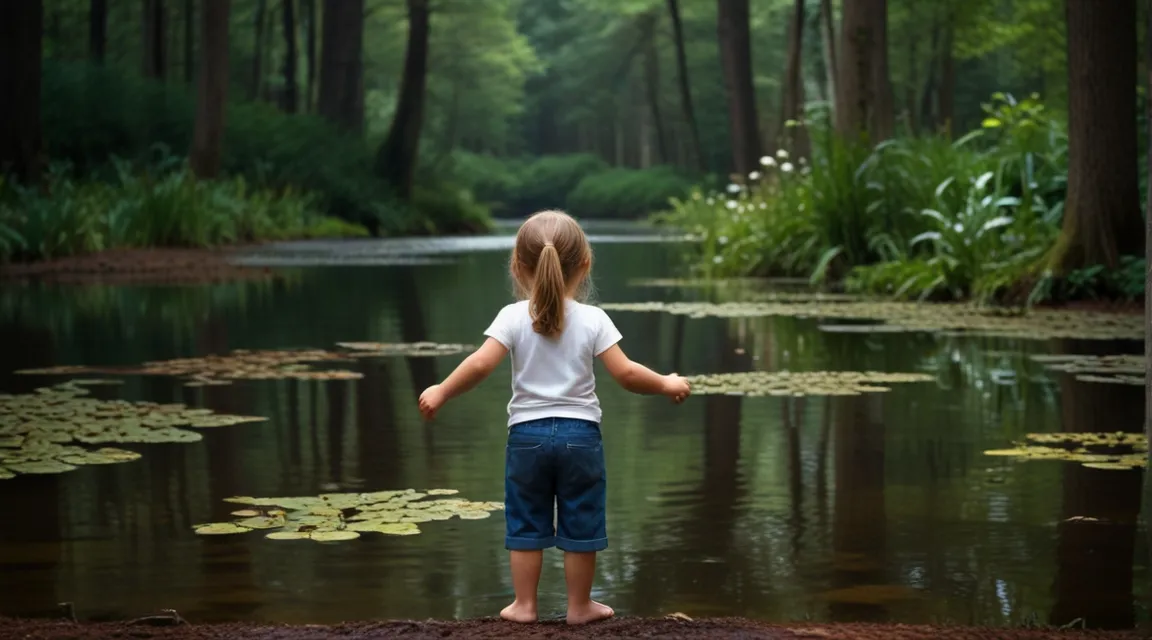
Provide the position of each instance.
(637, 378)
(467, 375)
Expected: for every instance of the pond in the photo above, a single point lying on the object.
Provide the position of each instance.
(880, 506)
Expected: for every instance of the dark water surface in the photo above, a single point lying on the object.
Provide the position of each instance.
(878, 507)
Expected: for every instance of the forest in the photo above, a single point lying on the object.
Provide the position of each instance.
(989, 149)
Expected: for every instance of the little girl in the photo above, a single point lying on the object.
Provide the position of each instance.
(554, 454)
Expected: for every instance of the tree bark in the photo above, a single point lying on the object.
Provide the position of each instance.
(189, 41)
(1148, 253)
(1102, 206)
(97, 29)
(864, 103)
(947, 95)
(341, 98)
(397, 157)
(258, 50)
(212, 95)
(793, 138)
(155, 43)
(310, 16)
(928, 91)
(21, 32)
(828, 23)
(291, 90)
(736, 61)
(686, 85)
(652, 84)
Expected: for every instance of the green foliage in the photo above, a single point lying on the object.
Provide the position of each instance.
(162, 206)
(626, 193)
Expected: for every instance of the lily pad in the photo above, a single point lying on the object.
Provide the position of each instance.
(803, 383)
(39, 467)
(220, 529)
(334, 536)
(105, 455)
(5, 474)
(288, 535)
(246, 513)
(442, 492)
(1109, 451)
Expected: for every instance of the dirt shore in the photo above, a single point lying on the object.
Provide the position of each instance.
(489, 628)
(136, 266)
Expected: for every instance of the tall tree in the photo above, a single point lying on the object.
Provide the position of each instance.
(189, 40)
(947, 97)
(259, 19)
(308, 8)
(1148, 251)
(21, 30)
(155, 40)
(212, 93)
(864, 103)
(652, 90)
(686, 85)
(290, 89)
(1102, 206)
(341, 97)
(397, 157)
(828, 40)
(97, 29)
(736, 61)
(792, 104)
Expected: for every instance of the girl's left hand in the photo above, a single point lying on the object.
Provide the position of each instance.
(431, 401)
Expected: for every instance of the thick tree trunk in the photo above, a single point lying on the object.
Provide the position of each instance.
(794, 138)
(396, 160)
(948, 81)
(155, 43)
(736, 60)
(310, 16)
(828, 28)
(341, 97)
(212, 95)
(97, 29)
(864, 103)
(652, 84)
(21, 30)
(258, 50)
(686, 85)
(1102, 206)
(1148, 255)
(189, 41)
(291, 90)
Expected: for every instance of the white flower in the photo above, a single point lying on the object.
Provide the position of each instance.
(718, 259)
(732, 204)
(710, 201)
(958, 228)
(722, 239)
(768, 161)
(782, 154)
(755, 175)
(786, 167)
(763, 205)
(733, 188)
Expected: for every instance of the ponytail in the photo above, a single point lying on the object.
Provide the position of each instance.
(548, 292)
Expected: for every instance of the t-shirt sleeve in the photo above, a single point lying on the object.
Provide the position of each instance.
(606, 334)
(503, 328)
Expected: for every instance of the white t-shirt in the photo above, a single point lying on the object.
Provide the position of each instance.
(553, 377)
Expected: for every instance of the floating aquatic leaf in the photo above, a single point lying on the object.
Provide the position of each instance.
(246, 513)
(472, 514)
(5, 474)
(802, 383)
(11, 442)
(39, 466)
(334, 536)
(1109, 466)
(104, 455)
(94, 382)
(1038, 324)
(288, 535)
(1112, 451)
(1111, 369)
(220, 529)
(406, 349)
(206, 422)
(442, 492)
(260, 522)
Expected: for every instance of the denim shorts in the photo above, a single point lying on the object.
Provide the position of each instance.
(555, 461)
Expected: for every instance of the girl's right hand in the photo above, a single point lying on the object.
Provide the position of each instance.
(676, 387)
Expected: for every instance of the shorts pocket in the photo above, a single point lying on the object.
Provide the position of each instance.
(583, 464)
(523, 461)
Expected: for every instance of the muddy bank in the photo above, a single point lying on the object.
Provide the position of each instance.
(490, 628)
(136, 266)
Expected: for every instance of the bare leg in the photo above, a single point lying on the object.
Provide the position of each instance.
(579, 569)
(525, 579)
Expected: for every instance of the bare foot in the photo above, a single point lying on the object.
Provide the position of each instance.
(519, 612)
(591, 612)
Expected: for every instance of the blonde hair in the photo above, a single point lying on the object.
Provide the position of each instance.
(551, 259)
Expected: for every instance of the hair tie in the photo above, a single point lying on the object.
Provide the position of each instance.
(549, 244)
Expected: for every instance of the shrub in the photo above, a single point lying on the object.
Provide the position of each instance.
(626, 193)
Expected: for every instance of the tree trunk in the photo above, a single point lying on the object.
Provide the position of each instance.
(828, 24)
(736, 61)
(928, 92)
(947, 96)
(793, 138)
(21, 31)
(290, 88)
(212, 94)
(397, 158)
(652, 84)
(258, 51)
(686, 85)
(97, 29)
(155, 44)
(864, 104)
(341, 97)
(310, 15)
(189, 40)
(1148, 249)
(1102, 206)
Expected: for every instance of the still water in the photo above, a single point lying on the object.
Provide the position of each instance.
(877, 507)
